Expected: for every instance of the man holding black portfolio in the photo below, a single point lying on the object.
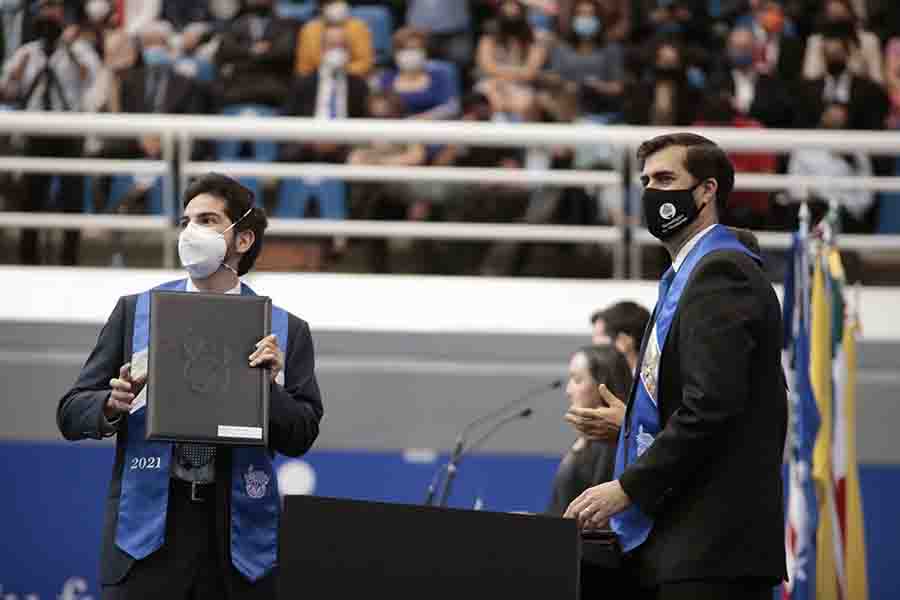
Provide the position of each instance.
(697, 497)
(194, 521)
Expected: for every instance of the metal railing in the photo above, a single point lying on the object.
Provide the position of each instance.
(178, 132)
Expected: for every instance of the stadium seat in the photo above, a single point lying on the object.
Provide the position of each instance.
(263, 150)
(302, 11)
(294, 196)
(381, 24)
(889, 208)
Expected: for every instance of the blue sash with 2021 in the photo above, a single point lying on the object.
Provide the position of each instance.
(255, 503)
(643, 423)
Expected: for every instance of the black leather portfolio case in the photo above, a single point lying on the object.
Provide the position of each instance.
(200, 386)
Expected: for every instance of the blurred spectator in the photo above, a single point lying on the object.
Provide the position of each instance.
(892, 80)
(666, 97)
(427, 92)
(52, 73)
(329, 93)
(447, 23)
(197, 47)
(309, 47)
(622, 325)
(99, 20)
(588, 61)
(867, 102)
(509, 62)
(120, 54)
(746, 208)
(686, 20)
(180, 13)
(839, 20)
(15, 18)
(777, 50)
(255, 57)
(390, 200)
(757, 96)
(856, 214)
(151, 87)
(614, 17)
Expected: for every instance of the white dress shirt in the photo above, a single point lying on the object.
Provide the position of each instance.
(331, 81)
(688, 246)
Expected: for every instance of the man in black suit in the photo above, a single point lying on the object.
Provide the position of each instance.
(329, 93)
(201, 535)
(764, 98)
(151, 87)
(697, 499)
(867, 101)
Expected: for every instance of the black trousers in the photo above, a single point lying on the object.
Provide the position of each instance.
(746, 588)
(189, 566)
(38, 196)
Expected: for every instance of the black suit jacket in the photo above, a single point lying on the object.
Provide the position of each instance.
(182, 96)
(295, 412)
(772, 103)
(712, 478)
(250, 78)
(301, 102)
(868, 107)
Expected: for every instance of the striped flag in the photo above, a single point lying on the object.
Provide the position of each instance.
(841, 560)
(801, 513)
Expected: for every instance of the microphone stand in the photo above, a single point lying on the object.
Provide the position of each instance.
(453, 465)
(461, 438)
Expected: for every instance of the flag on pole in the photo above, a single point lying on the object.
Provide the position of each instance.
(841, 541)
(801, 513)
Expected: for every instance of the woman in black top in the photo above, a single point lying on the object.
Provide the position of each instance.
(588, 462)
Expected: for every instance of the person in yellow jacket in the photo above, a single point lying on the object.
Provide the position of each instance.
(359, 40)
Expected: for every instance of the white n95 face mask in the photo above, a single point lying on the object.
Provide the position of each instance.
(202, 249)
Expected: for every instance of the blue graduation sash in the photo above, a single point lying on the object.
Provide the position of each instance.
(643, 423)
(255, 502)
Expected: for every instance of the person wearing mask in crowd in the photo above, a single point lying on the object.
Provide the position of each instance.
(391, 201)
(428, 93)
(99, 21)
(589, 62)
(256, 57)
(867, 102)
(329, 93)
(756, 96)
(777, 50)
(839, 20)
(614, 17)
(181, 14)
(684, 20)
(855, 204)
(55, 72)
(152, 87)
(597, 374)
(203, 524)
(510, 60)
(447, 23)
(309, 51)
(696, 499)
(665, 97)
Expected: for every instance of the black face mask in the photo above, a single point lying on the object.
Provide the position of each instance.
(47, 30)
(835, 66)
(668, 73)
(513, 25)
(669, 211)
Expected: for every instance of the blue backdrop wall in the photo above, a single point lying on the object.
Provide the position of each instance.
(52, 501)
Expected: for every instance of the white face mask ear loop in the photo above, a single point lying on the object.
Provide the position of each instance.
(224, 264)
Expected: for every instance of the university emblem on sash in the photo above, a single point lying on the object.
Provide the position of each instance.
(650, 366)
(256, 482)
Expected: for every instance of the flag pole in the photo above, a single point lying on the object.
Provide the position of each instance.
(802, 278)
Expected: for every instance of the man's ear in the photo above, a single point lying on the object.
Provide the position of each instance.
(245, 241)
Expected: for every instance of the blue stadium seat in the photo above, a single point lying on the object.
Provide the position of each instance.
(381, 24)
(120, 185)
(889, 208)
(263, 150)
(294, 196)
(303, 11)
(196, 68)
(449, 70)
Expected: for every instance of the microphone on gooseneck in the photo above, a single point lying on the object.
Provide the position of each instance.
(453, 465)
(463, 435)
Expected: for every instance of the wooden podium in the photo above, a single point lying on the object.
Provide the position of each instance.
(335, 548)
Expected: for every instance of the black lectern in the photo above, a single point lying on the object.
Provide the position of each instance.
(345, 548)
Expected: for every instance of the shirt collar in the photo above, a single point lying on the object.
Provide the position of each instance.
(688, 246)
(193, 288)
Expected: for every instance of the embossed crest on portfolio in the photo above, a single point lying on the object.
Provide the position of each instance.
(207, 364)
